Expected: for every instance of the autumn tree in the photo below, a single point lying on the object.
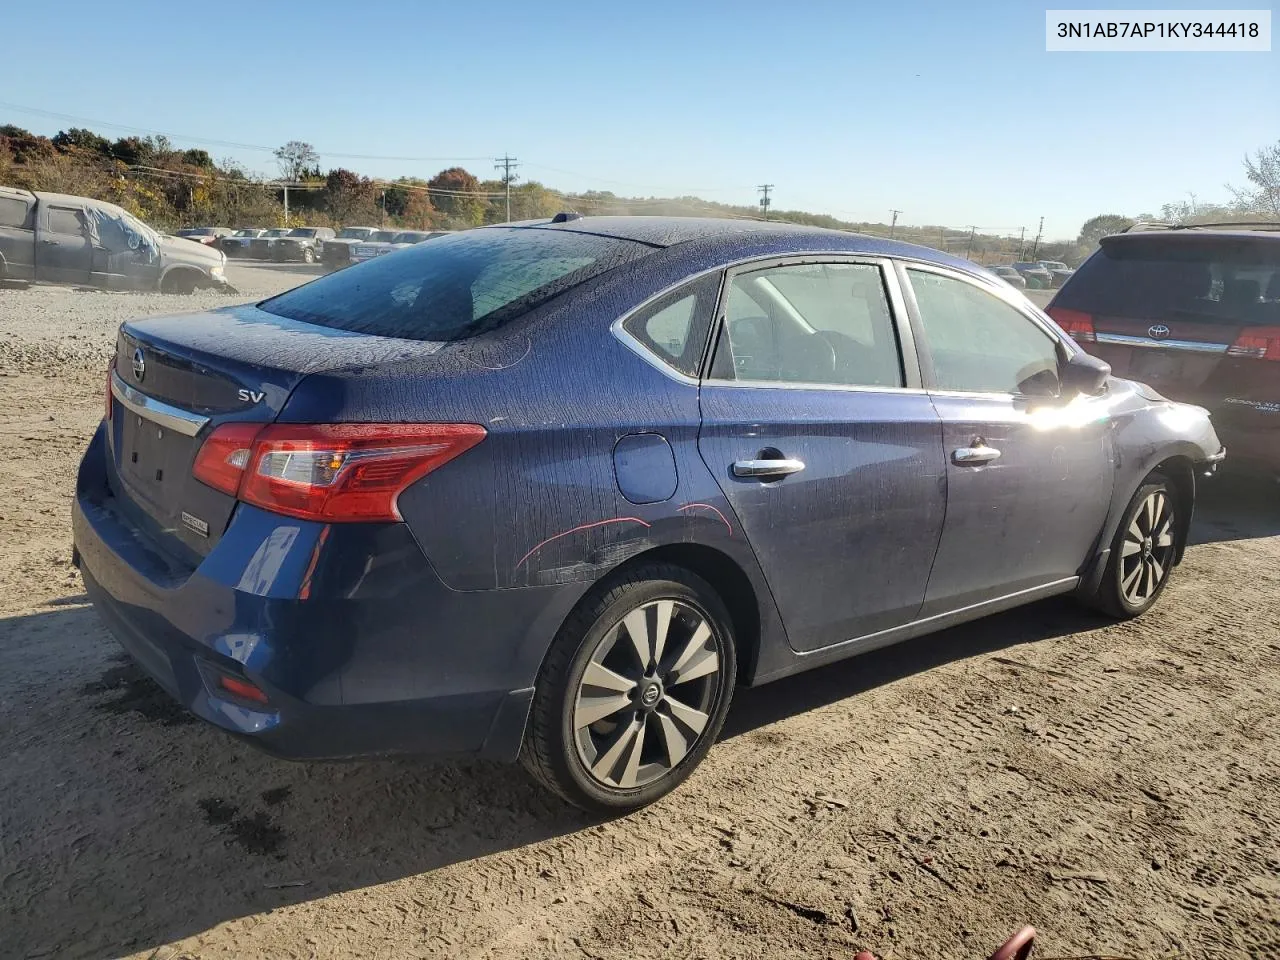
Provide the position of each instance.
(454, 193)
(349, 197)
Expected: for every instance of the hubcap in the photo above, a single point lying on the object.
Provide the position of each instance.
(1146, 556)
(647, 694)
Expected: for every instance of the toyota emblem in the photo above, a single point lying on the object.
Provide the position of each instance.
(139, 365)
(1158, 332)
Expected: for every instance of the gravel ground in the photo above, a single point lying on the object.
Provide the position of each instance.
(1112, 784)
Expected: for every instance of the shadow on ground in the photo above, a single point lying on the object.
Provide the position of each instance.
(127, 824)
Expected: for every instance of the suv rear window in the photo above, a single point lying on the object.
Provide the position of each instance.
(1204, 278)
(458, 286)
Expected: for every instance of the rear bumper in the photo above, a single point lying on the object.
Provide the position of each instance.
(360, 648)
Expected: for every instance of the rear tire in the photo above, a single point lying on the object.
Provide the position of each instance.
(611, 731)
(1142, 552)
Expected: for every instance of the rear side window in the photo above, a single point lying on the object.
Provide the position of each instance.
(13, 213)
(65, 220)
(1196, 278)
(456, 286)
(674, 328)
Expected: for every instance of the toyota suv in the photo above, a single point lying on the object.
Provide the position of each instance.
(1194, 312)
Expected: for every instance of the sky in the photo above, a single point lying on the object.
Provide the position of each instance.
(953, 113)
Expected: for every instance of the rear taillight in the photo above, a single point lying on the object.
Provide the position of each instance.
(224, 455)
(1074, 323)
(332, 472)
(1259, 343)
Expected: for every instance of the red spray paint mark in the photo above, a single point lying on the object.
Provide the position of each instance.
(707, 506)
(305, 591)
(585, 526)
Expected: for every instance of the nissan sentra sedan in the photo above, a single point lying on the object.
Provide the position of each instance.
(553, 491)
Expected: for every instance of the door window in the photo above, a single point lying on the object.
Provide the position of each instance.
(820, 323)
(65, 221)
(13, 213)
(979, 343)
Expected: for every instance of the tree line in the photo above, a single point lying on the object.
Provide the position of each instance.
(171, 188)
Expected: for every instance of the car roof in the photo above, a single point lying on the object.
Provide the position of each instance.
(730, 238)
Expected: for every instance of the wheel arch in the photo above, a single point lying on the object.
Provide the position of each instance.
(198, 276)
(724, 574)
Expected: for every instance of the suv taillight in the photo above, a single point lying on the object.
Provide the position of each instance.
(337, 472)
(1076, 324)
(1259, 343)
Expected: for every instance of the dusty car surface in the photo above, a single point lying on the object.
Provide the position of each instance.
(551, 491)
(57, 238)
(301, 243)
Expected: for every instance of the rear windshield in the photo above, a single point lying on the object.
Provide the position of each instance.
(459, 286)
(1227, 281)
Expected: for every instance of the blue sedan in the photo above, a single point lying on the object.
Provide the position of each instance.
(551, 491)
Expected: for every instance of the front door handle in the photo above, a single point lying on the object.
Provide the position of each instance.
(767, 468)
(975, 456)
(51, 243)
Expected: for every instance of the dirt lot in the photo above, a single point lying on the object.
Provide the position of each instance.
(1114, 785)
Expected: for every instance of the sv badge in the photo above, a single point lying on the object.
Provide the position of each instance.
(251, 396)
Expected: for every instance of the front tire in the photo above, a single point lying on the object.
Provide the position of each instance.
(1143, 551)
(308, 256)
(633, 692)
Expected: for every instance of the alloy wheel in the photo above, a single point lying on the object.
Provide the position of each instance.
(645, 698)
(1146, 555)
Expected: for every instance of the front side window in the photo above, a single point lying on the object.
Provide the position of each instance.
(674, 328)
(823, 323)
(979, 343)
(66, 221)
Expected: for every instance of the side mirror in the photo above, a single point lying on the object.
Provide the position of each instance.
(1084, 373)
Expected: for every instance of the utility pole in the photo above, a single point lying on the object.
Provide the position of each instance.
(286, 204)
(894, 222)
(506, 165)
(383, 221)
(968, 247)
(764, 199)
(1039, 233)
(942, 239)
(1022, 241)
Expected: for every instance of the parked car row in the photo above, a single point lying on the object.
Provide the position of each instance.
(376, 244)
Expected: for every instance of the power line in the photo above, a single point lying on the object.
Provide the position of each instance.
(764, 189)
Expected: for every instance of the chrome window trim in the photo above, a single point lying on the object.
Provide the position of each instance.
(809, 256)
(157, 411)
(1194, 346)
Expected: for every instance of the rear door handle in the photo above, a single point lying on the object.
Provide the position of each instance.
(974, 456)
(766, 468)
(52, 243)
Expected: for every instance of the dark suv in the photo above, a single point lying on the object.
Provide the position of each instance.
(1195, 313)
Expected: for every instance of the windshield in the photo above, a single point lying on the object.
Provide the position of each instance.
(246, 233)
(408, 237)
(277, 232)
(302, 232)
(352, 233)
(382, 236)
(457, 286)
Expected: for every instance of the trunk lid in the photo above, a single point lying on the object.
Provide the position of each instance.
(177, 378)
